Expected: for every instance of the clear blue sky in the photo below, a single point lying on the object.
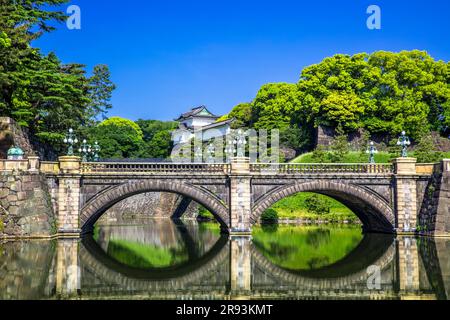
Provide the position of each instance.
(169, 56)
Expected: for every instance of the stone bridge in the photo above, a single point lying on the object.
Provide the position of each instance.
(403, 197)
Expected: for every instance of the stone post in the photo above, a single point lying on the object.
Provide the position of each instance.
(69, 196)
(33, 164)
(405, 195)
(240, 268)
(240, 196)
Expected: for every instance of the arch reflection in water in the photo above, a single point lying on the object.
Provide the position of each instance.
(214, 267)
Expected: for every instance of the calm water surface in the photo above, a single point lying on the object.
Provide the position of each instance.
(160, 259)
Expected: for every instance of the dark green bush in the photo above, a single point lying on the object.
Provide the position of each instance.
(269, 216)
(318, 205)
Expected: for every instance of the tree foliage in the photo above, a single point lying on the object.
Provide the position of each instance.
(118, 138)
(157, 138)
(426, 150)
(383, 93)
(39, 91)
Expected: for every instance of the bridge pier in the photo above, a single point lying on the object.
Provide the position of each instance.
(69, 197)
(240, 196)
(405, 195)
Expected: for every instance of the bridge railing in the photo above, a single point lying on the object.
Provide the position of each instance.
(153, 168)
(322, 168)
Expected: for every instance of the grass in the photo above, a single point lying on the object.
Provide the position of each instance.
(352, 157)
(306, 247)
(357, 157)
(294, 207)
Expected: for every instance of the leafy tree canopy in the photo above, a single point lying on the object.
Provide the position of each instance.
(384, 93)
(39, 91)
(118, 138)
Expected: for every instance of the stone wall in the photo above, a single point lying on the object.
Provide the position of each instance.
(25, 205)
(434, 213)
(325, 136)
(11, 134)
(149, 205)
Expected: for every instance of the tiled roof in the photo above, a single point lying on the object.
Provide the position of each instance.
(201, 111)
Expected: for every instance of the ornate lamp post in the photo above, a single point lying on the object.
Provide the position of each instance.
(230, 150)
(404, 142)
(96, 151)
(211, 150)
(71, 140)
(85, 150)
(372, 151)
(198, 154)
(241, 142)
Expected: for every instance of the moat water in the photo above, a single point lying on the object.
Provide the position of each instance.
(161, 259)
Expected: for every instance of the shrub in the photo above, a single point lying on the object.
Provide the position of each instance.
(269, 216)
(426, 150)
(319, 155)
(340, 146)
(318, 205)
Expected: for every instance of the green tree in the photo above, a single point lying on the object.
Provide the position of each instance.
(100, 91)
(317, 204)
(299, 139)
(425, 151)
(274, 106)
(118, 138)
(320, 155)
(37, 90)
(160, 146)
(384, 92)
(269, 216)
(242, 113)
(340, 146)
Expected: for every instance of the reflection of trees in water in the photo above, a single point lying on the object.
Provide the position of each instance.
(318, 262)
(270, 228)
(146, 256)
(157, 243)
(318, 237)
(306, 247)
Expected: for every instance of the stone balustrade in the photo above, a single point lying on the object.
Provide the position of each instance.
(31, 164)
(321, 168)
(88, 168)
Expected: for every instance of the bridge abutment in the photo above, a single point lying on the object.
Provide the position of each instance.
(69, 196)
(405, 195)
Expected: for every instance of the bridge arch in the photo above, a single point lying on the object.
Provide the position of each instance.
(374, 212)
(97, 206)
